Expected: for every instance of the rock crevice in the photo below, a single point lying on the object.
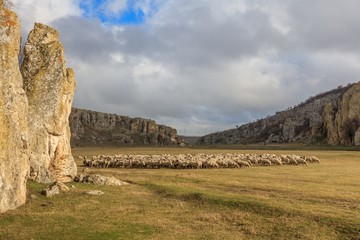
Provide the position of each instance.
(342, 118)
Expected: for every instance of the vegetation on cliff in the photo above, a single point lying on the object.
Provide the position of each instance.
(331, 117)
(90, 128)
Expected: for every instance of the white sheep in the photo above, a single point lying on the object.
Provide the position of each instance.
(232, 164)
(197, 161)
(242, 163)
(264, 162)
(315, 159)
(211, 164)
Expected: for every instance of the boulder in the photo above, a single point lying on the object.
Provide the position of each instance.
(55, 189)
(14, 164)
(49, 86)
(97, 179)
(62, 187)
(51, 191)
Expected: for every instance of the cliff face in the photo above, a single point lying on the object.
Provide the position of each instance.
(332, 117)
(14, 165)
(342, 118)
(90, 128)
(49, 86)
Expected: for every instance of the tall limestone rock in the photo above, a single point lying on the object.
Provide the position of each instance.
(342, 118)
(14, 163)
(49, 86)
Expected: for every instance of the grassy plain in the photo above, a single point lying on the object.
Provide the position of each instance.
(321, 201)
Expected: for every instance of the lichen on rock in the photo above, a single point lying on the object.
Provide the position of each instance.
(14, 165)
(49, 86)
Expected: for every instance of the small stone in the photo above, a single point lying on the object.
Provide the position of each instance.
(72, 186)
(95, 192)
(32, 196)
(51, 191)
(62, 187)
(79, 178)
(114, 182)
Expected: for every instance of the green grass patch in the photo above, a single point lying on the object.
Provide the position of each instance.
(320, 201)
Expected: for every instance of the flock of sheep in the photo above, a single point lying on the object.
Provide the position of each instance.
(182, 161)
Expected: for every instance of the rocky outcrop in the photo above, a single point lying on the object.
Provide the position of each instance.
(89, 128)
(342, 118)
(14, 165)
(332, 117)
(49, 86)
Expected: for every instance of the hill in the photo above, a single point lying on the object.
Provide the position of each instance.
(331, 117)
(90, 128)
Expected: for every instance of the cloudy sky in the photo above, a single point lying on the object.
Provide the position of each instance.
(202, 65)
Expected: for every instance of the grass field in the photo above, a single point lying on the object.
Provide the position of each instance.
(321, 201)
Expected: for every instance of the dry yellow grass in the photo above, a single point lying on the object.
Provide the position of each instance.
(320, 201)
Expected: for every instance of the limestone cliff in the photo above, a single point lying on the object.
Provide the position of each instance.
(342, 118)
(332, 117)
(14, 165)
(94, 128)
(49, 86)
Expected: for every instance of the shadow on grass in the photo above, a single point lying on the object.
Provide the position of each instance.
(346, 228)
(205, 198)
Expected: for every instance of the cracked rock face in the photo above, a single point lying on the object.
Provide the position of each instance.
(49, 86)
(342, 118)
(90, 128)
(14, 165)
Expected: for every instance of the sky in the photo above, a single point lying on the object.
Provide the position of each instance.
(202, 66)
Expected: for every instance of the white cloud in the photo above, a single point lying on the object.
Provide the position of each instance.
(114, 7)
(118, 58)
(147, 68)
(45, 11)
(207, 65)
(146, 6)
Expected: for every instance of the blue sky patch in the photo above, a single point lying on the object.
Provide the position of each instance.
(133, 15)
